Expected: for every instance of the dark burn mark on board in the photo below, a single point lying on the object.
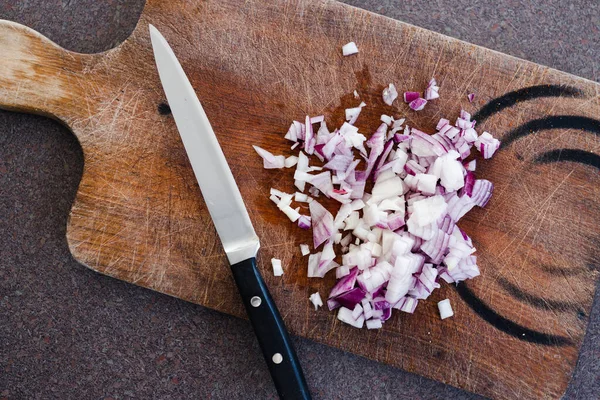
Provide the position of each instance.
(585, 124)
(536, 301)
(164, 109)
(562, 271)
(529, 93)
(506, 325)
(573, 155)
(554, 122)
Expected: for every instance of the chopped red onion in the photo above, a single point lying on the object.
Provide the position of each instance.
(291, 161)
(357, 312)
(332, 304)
(304, 249)
(277, 269)
(432, 90)
(345, 284)
(386, 119)
(471, 97)
(315, 298)
(471, 165)
(469, 182)
(374, 324)
(379, 303)
(487, 145)
(345, 315)
(341, 271)
(322, 225)
(353, 113)
(317, 119)
(431, 94)
(482, 192)
(319, 264)
(390, 94)
(409, 305)
(304, 222)
(322, 182)
(309, 137)
(349, 49)
(269, 160)
(399, 239)
(351, 297)
(418, 104)
(445, 309)
(411, 96)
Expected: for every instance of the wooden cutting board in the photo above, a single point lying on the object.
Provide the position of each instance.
(139, 215)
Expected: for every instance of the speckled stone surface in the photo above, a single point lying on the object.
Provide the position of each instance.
(69, 333)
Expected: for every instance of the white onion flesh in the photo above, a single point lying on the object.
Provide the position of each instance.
(445, 309)
(304, 249)
(277, 268)
(349, 49)
(315, 298)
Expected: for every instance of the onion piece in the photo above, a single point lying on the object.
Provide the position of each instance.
(291, 161)
(301, 197)
(277, 269)
(417, 104)
(317, 119)
(386, 119)
(411, 96)
(445, 309)
(427, 211)
(309, 137)
(304, 222)
(351, 297)
(431, 92)
(353, 113)
(332, 304)
(358, 310)
(487, 145)
(304, 249)
(482, 192)
(315, 298)
(322, 182)
(426, 183)
(269, 160)
(374, 324)
(409, 305)
(342, 271)
(471, 97)
(389, 94)
(345, 284)
(345, 315)
(349, 49)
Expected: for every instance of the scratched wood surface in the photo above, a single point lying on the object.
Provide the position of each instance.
(139, 215)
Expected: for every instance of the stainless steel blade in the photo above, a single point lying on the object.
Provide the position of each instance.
(218, 187)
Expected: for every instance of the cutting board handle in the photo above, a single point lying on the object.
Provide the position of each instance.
(37, 75)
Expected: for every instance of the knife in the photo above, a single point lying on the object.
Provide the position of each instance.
(229, 214)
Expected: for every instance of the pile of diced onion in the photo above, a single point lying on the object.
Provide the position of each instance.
(397, 239)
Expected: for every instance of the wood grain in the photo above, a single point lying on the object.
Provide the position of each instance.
(139, 215)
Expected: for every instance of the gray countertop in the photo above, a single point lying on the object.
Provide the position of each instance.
(69, 333)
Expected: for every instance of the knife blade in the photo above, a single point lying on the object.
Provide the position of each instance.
(231, 220)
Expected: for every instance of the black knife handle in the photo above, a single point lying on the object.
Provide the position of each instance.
(270, 331)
